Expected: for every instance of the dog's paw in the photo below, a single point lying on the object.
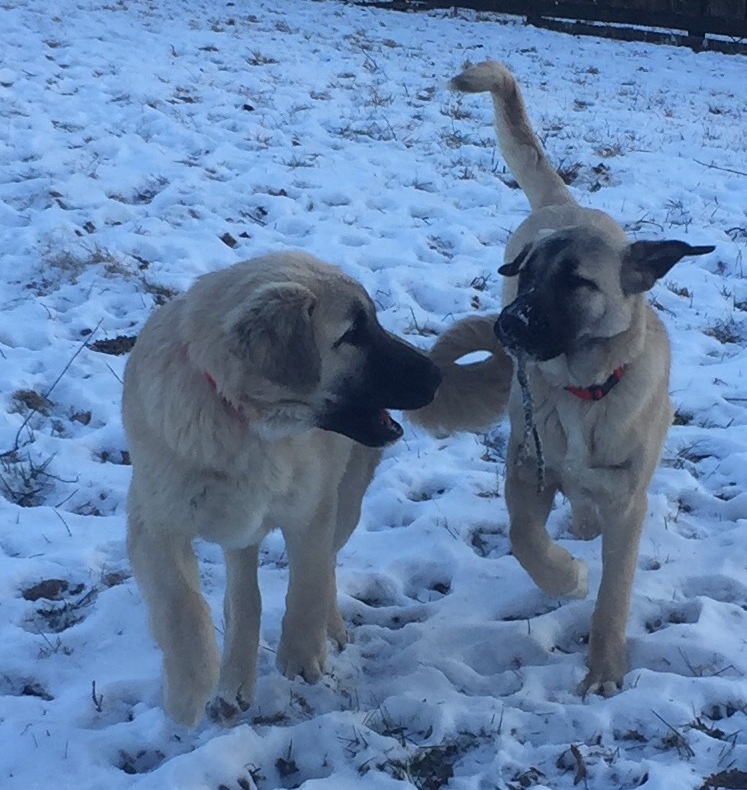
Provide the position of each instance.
(185, 694)
(191, 676)
(581, 590)
(607, 666)
(595, 685)
(186, 709)
(225, 713)
(305, 661)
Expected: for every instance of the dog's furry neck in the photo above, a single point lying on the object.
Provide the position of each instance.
(270, 418)
(236, 409)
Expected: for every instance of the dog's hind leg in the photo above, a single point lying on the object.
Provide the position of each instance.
(242, 607)
(551, 567)
(166, 570)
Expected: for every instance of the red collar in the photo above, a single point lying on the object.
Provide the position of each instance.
(237, 410)
(598, 391)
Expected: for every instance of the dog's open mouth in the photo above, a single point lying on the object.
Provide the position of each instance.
(372, 427)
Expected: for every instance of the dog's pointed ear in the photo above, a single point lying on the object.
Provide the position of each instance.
(512, 268)
(646, 261)
(275, 334)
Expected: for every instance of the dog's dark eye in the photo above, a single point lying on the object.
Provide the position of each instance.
(575, 281)
(351, 336)
(354, 335)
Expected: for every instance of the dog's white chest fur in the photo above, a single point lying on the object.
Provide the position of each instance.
(570, 415)
(235, 510)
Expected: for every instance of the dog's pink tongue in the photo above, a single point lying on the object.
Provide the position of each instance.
(393, 428)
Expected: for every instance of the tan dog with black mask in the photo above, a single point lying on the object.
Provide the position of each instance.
(597, 366)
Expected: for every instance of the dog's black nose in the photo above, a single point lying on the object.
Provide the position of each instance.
(529, 327)
(511, 328)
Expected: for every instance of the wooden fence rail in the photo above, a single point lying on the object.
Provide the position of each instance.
(701, 24)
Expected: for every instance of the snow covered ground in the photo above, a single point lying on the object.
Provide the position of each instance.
(144, 143)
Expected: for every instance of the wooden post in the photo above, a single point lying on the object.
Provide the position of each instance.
(532, 15)
(697, 38)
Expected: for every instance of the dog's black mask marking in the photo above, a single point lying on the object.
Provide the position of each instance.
(533, 327)
(395, 376)
(542, 321)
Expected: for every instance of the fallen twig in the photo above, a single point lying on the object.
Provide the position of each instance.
(679, 739)
(48, 392)
(718, 167)
(97, 698)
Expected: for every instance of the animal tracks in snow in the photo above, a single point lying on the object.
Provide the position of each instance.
(144, 144)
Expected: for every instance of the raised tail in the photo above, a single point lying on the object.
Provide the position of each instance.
(472, 396)
(523, 152)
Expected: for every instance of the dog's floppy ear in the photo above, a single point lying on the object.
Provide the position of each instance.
(275, 334)
(511, 269)
(646, 261)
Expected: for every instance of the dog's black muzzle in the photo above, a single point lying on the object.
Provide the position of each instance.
(525, 326)
(396, 376)
(399, 376)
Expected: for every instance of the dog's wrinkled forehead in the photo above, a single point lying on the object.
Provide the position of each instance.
(343, 300)
(550, 256)
(562, 254)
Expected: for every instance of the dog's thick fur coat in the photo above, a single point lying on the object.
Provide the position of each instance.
(575, 307)
(248, 404)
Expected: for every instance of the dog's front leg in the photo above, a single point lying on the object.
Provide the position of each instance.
(360, 470)
(311, 558)
(242, 607)
(336, 629)
(166, 569)
(552, 568)
(607, 660)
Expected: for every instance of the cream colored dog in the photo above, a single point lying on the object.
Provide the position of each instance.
(256, 400)
(597, 368)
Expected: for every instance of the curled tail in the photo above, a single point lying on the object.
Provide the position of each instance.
(523, 152)
(471, 397)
